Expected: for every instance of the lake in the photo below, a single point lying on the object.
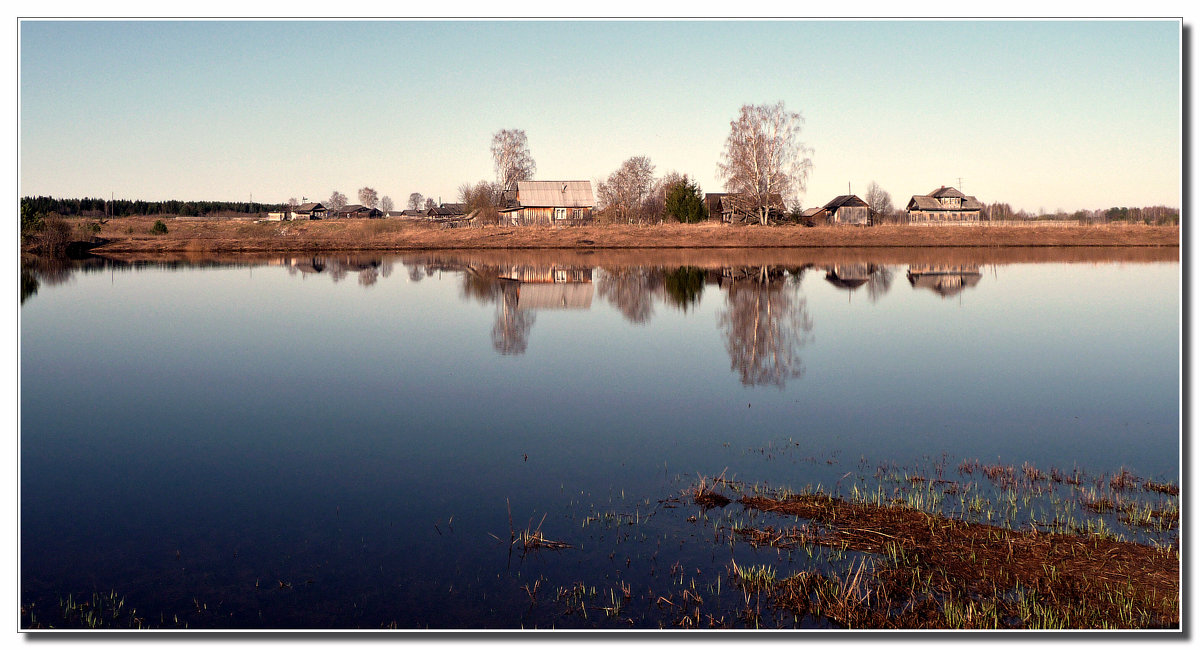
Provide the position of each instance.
(341, 441)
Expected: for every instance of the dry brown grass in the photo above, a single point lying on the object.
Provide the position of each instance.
(1074, 580)
(396, 235)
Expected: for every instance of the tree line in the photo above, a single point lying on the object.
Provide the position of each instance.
(100, 208)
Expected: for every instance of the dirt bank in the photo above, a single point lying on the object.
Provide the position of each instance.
(133, 234)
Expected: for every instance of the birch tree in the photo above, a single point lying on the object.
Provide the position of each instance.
(386, 204)
(415, 200)
(765, 325)
(337, 200)
(764, 156)
(627, 187)
(368, 197)
(510, 151)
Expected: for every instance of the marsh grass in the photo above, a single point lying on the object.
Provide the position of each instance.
(926, 569)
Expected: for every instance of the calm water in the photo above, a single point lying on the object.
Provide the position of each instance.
(338, 441)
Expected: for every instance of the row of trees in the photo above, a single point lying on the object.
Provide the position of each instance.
(101, 208)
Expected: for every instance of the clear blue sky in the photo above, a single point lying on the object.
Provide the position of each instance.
(1052, 114)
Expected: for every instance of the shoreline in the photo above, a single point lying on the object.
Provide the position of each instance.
(130, 235)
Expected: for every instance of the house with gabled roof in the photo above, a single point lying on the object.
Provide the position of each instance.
(306, 211)
(356, 211)
(548, 203)
(944, 205)
(847, 209)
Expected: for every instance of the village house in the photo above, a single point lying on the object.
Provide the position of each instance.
(547, 203)
(846, 209)
(944, 205)
(736, 208)
(445, 211)
(305, 211)
(356, 211)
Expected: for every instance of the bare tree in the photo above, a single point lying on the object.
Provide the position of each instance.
(627, 187)
(415, 200)
(368, 197)
(430, 204)
(510, 151)
(764, 157)
(293, 203)
(483, 199)
(337, 201)
(878, 282)
(631, 290)
(510, 331)
(765, 323)
(879, 201)
(386, 204)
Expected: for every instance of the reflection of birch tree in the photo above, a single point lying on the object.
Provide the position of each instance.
(631, 291)
(878, 282)
(510, 333)
(765, 323)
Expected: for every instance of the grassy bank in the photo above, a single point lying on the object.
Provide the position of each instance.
(134, 235)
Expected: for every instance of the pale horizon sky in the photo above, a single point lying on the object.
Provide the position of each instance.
(1044, 115)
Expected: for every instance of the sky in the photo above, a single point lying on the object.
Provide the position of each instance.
(1043, 115)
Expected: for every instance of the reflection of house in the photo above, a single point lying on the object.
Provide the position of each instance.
(549, 287)
(559, 295)
(848, 276)
(736, 208)
(307, 211)
(846, 209)
(548, 203)
(943, 205)
(945, 279)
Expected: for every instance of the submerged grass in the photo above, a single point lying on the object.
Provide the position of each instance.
(923, 569)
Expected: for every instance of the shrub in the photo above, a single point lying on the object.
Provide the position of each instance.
(159, 228)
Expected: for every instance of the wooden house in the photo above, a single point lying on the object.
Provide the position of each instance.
(944, 205)
(547, 203)
(307, 211)
(738, 208)
(356, 211)
(847, 209)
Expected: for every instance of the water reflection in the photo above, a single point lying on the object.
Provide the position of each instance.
(944, 279)
(632, 290)
(765, 323)
(339, 267)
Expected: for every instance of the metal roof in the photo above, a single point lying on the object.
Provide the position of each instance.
(562, 295)
(555, 194)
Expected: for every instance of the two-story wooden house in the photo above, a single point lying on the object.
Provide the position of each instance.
(944, 205)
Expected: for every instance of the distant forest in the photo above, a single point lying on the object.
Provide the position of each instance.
(45, 205)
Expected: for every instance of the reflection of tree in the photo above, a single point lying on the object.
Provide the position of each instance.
(630, 290)
(878, 282)
(765, 324)
(510, 333)
(683, 286)
(368, 277)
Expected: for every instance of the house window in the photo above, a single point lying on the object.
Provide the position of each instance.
(560, 213)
